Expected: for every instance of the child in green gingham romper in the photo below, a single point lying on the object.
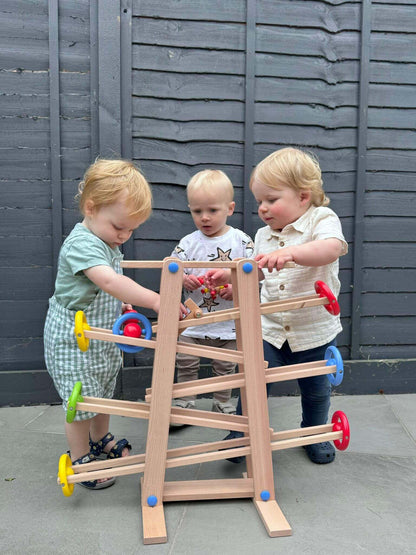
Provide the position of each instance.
(98, 368)
(114, 199)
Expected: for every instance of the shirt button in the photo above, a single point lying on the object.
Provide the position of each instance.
(281, 287)
(287, 328)
(281, 244)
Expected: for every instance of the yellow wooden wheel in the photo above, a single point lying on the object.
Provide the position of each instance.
(80, 327)
(65, 470)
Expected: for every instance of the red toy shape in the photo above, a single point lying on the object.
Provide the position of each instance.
(131, 327)
(340, 422)
(132, 330)
(324, 291)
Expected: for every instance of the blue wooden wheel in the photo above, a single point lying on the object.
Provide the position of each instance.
(118, 331)
(334, 358)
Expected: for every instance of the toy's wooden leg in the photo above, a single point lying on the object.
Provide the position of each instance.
(154, 527)
(261, 466)
(239, 341)
(273, 519)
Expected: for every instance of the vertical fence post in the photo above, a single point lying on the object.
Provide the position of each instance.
(109, 78)
(95, 132)
(249, 112)
(361, 181)
(126, 100)
(55, 132)
(125, 78)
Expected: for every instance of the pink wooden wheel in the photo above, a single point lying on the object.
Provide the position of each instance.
(324, 291)
(340, 423)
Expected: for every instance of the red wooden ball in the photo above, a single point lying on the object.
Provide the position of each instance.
(132, 330)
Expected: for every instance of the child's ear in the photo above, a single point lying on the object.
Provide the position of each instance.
(231, 207)
(89, 207)
(305, 197)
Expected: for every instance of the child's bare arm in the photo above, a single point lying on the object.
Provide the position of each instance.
(314, 253)
(123, 288)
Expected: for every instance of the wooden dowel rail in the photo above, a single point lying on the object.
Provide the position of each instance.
(184, 456)
(235, 381)
(187, 264)
(265, 308)
(170, 463)
(203, 448)
(171, 453)
(186, 348)
(307, 440)
(192, 417)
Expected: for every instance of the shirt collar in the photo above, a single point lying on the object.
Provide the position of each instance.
(298, 225)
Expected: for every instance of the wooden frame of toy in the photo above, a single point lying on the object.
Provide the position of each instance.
(259, 440)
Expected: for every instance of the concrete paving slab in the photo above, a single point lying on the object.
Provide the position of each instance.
(364, 502)
(403, 407)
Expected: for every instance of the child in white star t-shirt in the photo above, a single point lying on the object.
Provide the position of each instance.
(210, 196)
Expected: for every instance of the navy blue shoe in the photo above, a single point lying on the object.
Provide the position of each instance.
(320, 453)
(234, 435)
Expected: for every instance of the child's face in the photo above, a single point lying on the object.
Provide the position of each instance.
(210, 213)
(281, 205)
(111, 223)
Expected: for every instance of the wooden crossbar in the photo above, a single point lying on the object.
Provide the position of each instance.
(207, 452)
(186, 348)
(190, 417)
(188, 264)
(235, 381)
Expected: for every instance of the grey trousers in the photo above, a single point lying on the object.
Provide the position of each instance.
(188, 365)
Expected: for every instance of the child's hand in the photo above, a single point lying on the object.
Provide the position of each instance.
(183, 312)
(226, 293)
(274, 260)
(125, 307)
(213, 278)
(191, 282)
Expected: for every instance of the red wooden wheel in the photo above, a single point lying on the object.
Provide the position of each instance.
(324, 291)
(340, 423)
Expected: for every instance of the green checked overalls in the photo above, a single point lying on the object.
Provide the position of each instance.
(97, 368)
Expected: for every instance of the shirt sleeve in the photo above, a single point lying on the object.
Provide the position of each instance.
(248, 245)
(180, 251)
(91, 254)
(328, 226)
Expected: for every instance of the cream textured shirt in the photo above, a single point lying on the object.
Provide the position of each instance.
(305, 328)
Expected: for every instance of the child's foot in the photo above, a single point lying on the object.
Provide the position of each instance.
(93, 484)
(234, 435)
(113, 449)
(224, 408)
(181, 404)
(320, 453)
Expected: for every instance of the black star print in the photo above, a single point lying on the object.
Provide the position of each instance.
(208, 303)
(222, 255)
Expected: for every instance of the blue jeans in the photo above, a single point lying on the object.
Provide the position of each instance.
(315, 391)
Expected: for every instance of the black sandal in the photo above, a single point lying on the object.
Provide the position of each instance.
(93, 484)
(97, 448)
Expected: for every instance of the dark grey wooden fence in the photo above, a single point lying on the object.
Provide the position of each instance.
(183, 85)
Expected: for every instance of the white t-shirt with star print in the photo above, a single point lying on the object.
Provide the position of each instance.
(197, 246)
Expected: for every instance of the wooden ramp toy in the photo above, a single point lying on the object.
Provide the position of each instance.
(258, 442)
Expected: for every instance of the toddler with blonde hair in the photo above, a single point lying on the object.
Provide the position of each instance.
(211, 201)
(114, 199)
(300, 228)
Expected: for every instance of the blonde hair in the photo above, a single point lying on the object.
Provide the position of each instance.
(209, 181)
(104, 182)
(293, 168)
